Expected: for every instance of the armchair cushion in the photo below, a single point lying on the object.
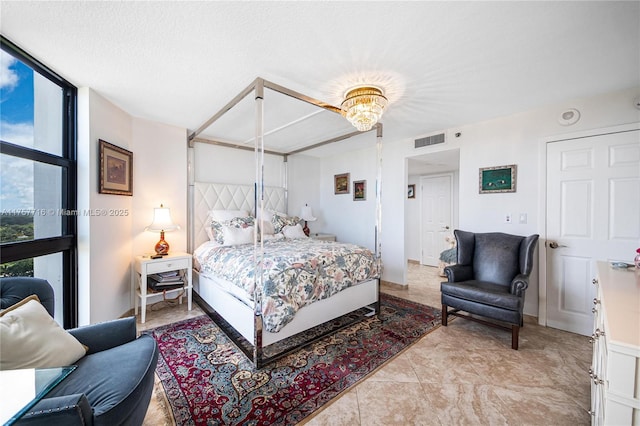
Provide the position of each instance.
(106, 335)
(115, 381)
(32, 339)
(484, 293)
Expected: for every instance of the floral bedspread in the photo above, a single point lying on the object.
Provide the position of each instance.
(295, 273)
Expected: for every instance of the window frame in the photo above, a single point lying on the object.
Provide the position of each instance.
(66, 243)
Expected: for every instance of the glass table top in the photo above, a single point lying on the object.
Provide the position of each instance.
(22, 389)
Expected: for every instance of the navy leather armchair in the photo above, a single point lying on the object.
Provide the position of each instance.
(113, 382)
(490, 279)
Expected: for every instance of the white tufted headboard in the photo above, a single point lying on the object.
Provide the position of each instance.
(223, 196)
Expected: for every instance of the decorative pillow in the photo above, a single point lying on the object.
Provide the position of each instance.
(267, 214)
(293, 232)
(220, 216)
(32, 339)
(216, 227)
(280, 222)
(237, 235)
(266, 227)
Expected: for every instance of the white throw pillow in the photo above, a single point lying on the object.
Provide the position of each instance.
(32, 339)
(225, 215)
(293, 232)
(234, 236)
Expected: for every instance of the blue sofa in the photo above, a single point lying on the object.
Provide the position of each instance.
(113, 382)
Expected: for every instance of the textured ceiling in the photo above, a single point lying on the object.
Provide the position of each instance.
(442, 64)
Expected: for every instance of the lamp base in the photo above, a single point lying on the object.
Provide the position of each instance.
(306, 229)
(162, 247)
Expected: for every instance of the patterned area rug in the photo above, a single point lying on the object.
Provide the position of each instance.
(209, 381)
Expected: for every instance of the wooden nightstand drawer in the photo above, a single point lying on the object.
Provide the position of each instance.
(168, 265)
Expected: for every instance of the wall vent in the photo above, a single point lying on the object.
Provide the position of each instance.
(430, 140)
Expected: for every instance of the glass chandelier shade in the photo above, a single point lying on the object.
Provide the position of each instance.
(363, 106)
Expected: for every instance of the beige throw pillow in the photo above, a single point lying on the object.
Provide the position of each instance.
(30, 338)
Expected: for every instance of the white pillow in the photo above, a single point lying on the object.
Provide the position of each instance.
(225, 215)
(233, 236)
(32, 339)
(267, 227)
(293, 232)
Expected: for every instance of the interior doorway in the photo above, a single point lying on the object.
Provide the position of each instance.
(436, 214)
(431, 164)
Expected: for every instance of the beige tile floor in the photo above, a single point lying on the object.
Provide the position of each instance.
(463, 374)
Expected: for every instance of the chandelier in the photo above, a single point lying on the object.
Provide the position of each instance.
(363, 106)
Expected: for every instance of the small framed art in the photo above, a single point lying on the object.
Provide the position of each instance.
(497, 179)
(341, 183)
(116, 170)
(411, 191)
(359, 190)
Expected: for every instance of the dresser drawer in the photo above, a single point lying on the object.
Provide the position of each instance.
(168, 265)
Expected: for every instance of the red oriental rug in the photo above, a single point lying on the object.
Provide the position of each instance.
(209, 381)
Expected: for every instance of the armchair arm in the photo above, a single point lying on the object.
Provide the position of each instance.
(519, 284)
(456, 273)
(106, 335)
(60, 410)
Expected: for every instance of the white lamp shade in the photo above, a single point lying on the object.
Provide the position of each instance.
(162, 221)
(307, 214)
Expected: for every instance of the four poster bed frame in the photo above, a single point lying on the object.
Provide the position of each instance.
(246, 321)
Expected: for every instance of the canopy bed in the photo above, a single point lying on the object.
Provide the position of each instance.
(255, 272)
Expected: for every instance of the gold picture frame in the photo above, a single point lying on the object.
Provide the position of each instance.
(497, 179)
(116, 170)
(341, 183)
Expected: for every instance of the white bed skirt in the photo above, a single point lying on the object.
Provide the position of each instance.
(241, 316)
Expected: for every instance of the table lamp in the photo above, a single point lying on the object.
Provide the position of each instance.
(162, 222)
(307, 215)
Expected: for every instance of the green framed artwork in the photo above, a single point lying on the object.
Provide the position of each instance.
(498, 179)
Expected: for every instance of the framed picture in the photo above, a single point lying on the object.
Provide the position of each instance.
(359, 190)
(411, 191)
(116, 170)
(341, 183)
(498, 179)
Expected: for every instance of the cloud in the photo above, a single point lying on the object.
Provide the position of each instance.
(17, 133)
(16, 183)
(8, 77)
(16, 174)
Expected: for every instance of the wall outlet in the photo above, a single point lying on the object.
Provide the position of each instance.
(507, 218)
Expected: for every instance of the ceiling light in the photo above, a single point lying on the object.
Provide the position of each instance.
(363, 106)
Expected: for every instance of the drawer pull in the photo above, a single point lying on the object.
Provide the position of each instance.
(595, 301)
(594, 310)
(594, 281)
(592, 413)
(591, 372)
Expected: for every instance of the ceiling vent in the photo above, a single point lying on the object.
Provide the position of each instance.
(430, 140)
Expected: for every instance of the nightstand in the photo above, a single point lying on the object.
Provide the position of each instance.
(144, 265)
(323, 237)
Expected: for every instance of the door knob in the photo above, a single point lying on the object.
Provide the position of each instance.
(555, 245)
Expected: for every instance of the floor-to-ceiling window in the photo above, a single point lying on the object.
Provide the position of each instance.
(38, 176)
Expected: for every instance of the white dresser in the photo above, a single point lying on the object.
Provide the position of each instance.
(615, 370)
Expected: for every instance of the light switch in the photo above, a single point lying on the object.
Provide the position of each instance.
(522, 218)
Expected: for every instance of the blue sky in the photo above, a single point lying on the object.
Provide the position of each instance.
(16, 126)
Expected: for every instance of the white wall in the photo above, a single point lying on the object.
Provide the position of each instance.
(351, 221)
(108, 242)
(104, 241)
(304, 178)
(509, 140)
(159, 177)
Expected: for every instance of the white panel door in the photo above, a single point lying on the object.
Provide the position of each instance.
(435, 217)
(593, 213)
